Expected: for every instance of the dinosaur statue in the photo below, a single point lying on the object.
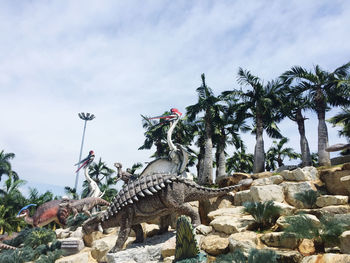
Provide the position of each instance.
(338, 147)
(149, 197)
(59, 210)
(4, 246)
(178, 157)
(93, 187)
(125, 176)
(82, 206)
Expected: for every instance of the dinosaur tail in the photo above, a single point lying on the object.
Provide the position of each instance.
(4, 246)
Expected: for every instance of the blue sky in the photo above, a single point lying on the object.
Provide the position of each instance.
(120, 59)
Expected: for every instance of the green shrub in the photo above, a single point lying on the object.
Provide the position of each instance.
(308, 198)
(236, 257)
(39, 236)
(74, 223)
(265, 214)
(262, 255)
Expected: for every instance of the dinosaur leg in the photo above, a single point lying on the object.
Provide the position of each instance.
(139, 233)
(186, 209)
(125, 228)
(164, 224)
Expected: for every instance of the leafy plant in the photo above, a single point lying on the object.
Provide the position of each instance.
(237, 257)
(38, 237)
(262, 255)
(74, 223)
(308, 198)
(265, 214)
(20, 255)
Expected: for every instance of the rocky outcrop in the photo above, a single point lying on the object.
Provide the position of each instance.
(327, 258)
(215, 245)
(327, 200)
(332, 179)
(291, 189)
(266, 193)
(275, 179)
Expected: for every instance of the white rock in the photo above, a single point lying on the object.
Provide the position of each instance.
(345, 242)
(231, 211)
(77, 258)
(78, 233)
(267, 193)
(297, 175)
(291, 188)
(327, 258)
(275, 179)
(203, 229)
(230, 225)
(241, 197)
(327, 200)
(243, 241)
(286, 210)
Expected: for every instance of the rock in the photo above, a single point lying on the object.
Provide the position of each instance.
(282, 223)
(286, 210)
(234, 211)
(287, 256)
(62, 233)
(233, 179)
(286, 167)
(215, 245)
(335, 209)
(101, 247)
(78, 233)
(327, 200)
(345, 242)
(148, 251)
(203, 230)
(149, 230)
(306, 247)
(300, 174)
(346, 182)
(275, 239)
(168, 248)
(169, 259)
(346, 166)
(327, 258)
(230, 225)
(90, 238)
(275, 179)
(266, 193)
(291, 189)
(331, 178)
(71, 245)
(242, 197)
(262, 175)
(243, 241)
(77, 258)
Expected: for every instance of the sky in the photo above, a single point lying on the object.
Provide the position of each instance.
(120, 59)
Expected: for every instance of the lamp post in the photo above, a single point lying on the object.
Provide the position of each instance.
(85, 117)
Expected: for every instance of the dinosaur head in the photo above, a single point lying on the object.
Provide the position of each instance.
(174, 115)
(92, 224)
(85, 162)
(24, 211)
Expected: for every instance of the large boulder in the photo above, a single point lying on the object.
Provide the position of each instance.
(291, 189)
(262, 175)
(287, 255)
(277, 239)
(77, 258)
(233, 212)
(90, 238)
(286, 210)
(243, 241)
(242, 197)
(275, 179)
(168, 248)
(267, 193)
(327, 200)
(215, 245)
(332, 179)
(230, 225)
(345, 242)
(327, 258)
(233, 179)
(307, 247)
(301, 174)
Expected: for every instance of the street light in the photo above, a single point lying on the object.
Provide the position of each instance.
(85, 117)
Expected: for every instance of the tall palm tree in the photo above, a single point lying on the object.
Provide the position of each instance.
(278, 152)
(227, 125)
(324, 89)
(294, 103)
(206, 103)
(5, 165)
(261, 104)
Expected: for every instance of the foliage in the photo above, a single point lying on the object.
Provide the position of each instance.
(5, 165)
(264, 213)
(186, 244)
(240, 161)
(329, 230)
(74, 223)
(39, 236)
(308, 198)
(262, 255)
(20, 255)
(236, 257)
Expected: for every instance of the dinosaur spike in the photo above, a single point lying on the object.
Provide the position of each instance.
(141, 194)
(147, 192)
(157, 187)
(168, 181)
(135, 198)
(162, 185)
(130, 201)
(151, 188)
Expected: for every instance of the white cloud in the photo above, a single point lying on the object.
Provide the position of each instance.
(120, 59)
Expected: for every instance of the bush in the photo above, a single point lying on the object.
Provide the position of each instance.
(265, 214)
(308, 198)
(74, 223)
(237, 257)
(39, 236)
(263, 255)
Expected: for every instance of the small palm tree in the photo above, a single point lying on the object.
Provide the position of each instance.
(342, 119)
(265, 214)
(240, 161)
(308, 198)
(5, 165)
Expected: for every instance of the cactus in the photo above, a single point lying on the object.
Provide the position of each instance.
(186, 243)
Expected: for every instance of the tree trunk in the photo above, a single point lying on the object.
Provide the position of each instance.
(304, 145)
(220, 157)
(200, 163)
(259, 153)
(207, 176)
(323, 156)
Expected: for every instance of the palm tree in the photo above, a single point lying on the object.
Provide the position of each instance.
(294, 103)
(206, 103)
(5, 165)
(227, 125)
(71, 192)
(342, 119)
(240, 161)
(277, 153)
(260, 104)
(324, 89)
